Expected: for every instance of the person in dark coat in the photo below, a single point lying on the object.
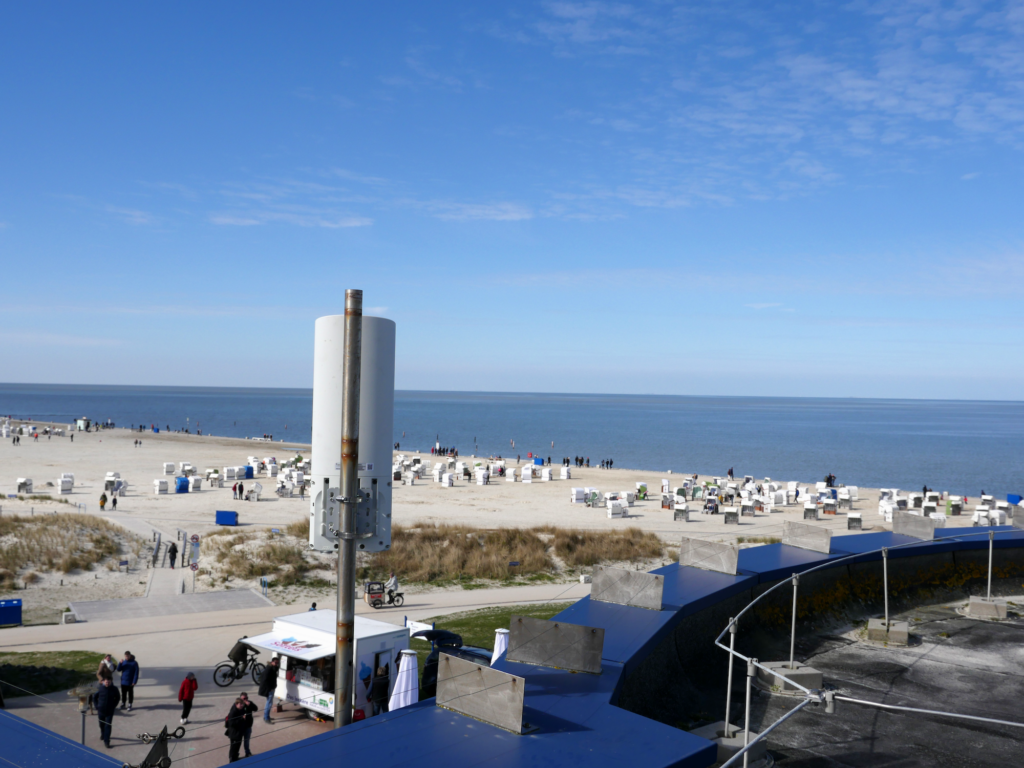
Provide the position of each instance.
(107, 698)
(249, 708)
(379, 691)
(268, 684)
(235, 722)
(129, 669)
(172, 553)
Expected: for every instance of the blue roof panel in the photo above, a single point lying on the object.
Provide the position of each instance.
(772, 562)
(26, 744)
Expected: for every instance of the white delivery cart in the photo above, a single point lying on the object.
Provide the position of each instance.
(306, 644)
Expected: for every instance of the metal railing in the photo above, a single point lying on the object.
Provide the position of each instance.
(819, 696)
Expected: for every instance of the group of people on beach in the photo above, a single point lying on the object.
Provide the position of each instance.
(579, 461)
(444, 451)
(607, 463)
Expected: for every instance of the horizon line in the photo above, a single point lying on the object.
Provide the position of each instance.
(309, 390)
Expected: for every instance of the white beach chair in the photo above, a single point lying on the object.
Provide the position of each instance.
(159, 486)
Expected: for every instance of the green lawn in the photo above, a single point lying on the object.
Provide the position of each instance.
(46, 672)
(477, 627)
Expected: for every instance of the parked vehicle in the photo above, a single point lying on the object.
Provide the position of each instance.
(443, 641)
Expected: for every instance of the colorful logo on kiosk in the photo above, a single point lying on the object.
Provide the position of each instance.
(293, 644)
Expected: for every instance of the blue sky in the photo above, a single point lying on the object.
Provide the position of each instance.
(807, 199)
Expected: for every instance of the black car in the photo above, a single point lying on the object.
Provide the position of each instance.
(447, 642)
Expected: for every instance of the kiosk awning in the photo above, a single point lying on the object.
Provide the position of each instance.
(309, 648)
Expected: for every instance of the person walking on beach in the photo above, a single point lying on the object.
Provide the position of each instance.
(103, 501)
(172, 553)
(268, 684)
(113, 503)
(106, 705)
(234, 491)
(186, 694)
(241, 491)
(235, 722)
(129, 669)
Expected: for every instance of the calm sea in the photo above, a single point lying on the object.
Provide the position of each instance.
(960, 446)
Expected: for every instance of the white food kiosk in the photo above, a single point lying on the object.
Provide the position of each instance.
(306, 644)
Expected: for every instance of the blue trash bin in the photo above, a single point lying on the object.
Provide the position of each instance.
(10, 612)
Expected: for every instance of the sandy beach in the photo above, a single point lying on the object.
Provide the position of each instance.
(500, 504)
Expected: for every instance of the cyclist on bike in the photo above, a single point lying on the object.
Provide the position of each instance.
(239, 654)
(391, 586)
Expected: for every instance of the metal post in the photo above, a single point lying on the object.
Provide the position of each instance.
(343, 667)
(751, 671)
(792, 636)
(991, 543)
(728, 686)
(885, 584)
(83, 726)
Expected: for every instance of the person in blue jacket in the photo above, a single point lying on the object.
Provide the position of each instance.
(129, 669)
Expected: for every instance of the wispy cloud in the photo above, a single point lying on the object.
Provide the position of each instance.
(448, 211)
(325, 219)
(40, 339)
(770, 305)
(132, 216)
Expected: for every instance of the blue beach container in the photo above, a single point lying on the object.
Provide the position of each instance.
(181, 485)
(249, 472)
(1013, 498)
(226, 518)
(10, 612)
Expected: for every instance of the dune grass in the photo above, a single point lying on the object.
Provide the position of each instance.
(448, 552)
(440, 554)
(62, 542)
(584, 548)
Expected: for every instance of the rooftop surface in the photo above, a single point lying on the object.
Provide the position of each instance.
(576, 720)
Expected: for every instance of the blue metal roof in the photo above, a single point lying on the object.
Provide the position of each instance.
(27, 745)
(631, 633)
(575, 726)
(780, 561)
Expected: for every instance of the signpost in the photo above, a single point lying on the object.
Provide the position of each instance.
(194, 565)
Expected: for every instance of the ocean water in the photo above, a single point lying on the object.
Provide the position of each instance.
(959, 446)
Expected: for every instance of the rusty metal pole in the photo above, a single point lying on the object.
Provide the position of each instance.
(344, 676)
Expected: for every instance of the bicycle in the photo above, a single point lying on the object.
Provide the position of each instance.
(228, 671)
